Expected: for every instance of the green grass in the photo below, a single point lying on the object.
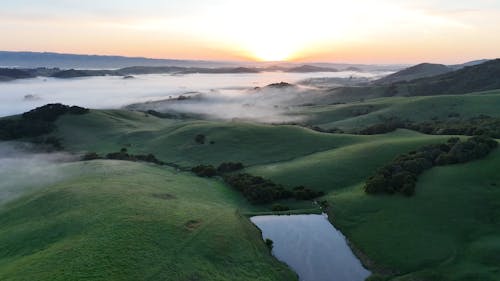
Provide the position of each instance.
(447, 231)
(342, 167)
(415, 109)
(119, 220)
(173, 140)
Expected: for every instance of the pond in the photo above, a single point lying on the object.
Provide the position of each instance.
(312, 247)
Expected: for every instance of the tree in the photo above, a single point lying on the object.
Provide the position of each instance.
(269, 244)
(200, 139)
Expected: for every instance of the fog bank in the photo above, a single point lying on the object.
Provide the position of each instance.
(115, 92)
(22, 170)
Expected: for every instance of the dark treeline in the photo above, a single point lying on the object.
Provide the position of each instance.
(477, 126)
(37, 122)
(124, 156)
(209, 171)
(400, 176)
(256, 189)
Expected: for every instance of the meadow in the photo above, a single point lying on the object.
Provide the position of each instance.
(119, 220)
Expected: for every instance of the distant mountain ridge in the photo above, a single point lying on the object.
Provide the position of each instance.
(10, 59)
(66, 61)
(475, 78)
(422, 70)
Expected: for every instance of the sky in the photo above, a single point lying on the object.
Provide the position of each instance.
(356, 31)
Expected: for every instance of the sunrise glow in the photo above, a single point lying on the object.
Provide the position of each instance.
(358, 31)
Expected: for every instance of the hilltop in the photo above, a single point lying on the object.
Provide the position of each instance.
(415, 72)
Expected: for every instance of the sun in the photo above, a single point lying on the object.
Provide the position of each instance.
(271, 50)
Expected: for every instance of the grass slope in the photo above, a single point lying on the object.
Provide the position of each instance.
(342, 167)
(352, 117)
(447, 231)
(128, 221)
(173, 140)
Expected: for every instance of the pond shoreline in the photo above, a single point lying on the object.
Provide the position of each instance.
(319, 252)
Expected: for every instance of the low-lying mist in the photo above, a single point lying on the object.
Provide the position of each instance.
(270, 104)
(115, 92)
(22, 169)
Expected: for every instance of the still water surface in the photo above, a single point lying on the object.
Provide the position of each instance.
(312, 247)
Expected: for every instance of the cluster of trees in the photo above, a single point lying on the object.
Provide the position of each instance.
(123, 155)
(51, 112)
(205, 171)
(37, 122)
(258, 190)
(476, 126)
(400, 176)
(209, 171)
(280, 208)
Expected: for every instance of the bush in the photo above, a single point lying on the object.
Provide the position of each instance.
(200, 139)
(279, 208)
(124, 156)
(90, 156)
(269, 243)
(206, 171)
(303, 193)
(229, 167)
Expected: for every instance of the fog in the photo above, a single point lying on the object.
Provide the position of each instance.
(115, 92)
(23, 170)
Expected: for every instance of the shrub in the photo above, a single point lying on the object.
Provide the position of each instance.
(207, 171)
(269, 243)
(200, 139)
(90, 156)
(229, 167)
(279, 208)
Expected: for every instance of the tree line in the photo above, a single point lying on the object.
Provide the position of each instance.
(124, 156)
(401, 174)
(476, 126)
(255, 189)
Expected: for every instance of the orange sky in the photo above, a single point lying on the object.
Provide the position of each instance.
(362, 31)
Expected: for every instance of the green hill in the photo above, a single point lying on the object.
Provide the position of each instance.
(355, 116)
(116, 220)
(174, 140)
(447, 231)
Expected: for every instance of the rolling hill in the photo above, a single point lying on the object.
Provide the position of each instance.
(415, 72)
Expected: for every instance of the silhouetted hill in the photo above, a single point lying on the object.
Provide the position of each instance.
(67, 61)
(415, 72)
(481, 77)
(7, 74)
(311, 68)
(72, 73)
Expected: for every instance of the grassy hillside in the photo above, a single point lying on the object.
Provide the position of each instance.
(351, 117)
(118, 220)
(174, 140)
(448, 231)
(114, 220)
(342, 167)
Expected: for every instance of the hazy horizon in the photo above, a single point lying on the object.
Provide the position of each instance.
(363, 31)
